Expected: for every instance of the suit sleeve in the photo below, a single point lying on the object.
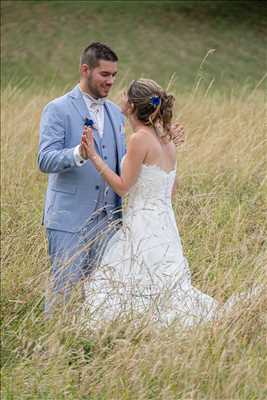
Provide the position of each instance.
(53, 156)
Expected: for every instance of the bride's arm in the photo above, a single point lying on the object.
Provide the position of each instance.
(136, 152)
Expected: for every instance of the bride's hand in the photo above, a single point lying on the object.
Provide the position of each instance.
(87, 143)
(177, 133)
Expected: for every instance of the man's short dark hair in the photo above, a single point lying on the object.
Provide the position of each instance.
(95, 52)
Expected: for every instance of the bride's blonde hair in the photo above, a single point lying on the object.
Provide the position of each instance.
(152, 105)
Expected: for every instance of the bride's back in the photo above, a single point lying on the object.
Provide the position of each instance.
(160, 152)
(153, 188)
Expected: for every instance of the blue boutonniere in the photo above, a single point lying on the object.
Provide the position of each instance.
(155, 101)
(89, 122)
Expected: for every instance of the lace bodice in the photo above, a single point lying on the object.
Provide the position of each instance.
(153, 188)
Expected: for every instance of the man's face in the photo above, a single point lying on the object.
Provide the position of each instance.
(101, 78)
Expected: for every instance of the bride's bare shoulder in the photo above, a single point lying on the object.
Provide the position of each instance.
(136, 136)
(145, 136)
(142, 133)
(139, 136)
(138, 142)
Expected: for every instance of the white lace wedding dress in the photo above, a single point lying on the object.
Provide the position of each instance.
(143, 270)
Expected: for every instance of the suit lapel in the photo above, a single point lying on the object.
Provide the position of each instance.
(79, 104)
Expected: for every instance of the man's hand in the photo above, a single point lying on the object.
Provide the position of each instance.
(87, 144)
(177, 133)
(82, 152)
(86, 148)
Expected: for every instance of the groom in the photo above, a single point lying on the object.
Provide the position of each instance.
(79, 206)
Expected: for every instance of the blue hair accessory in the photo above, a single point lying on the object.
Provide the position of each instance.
(89, 122)
(155, 101)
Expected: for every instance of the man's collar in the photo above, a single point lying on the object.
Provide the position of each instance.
(93, 100)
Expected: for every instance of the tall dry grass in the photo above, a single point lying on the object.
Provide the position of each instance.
(219, 206)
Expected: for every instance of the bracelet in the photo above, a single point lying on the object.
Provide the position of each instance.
(102, 170)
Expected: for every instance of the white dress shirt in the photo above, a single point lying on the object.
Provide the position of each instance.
(96, 108)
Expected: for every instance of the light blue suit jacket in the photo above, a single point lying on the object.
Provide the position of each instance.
(71, 197)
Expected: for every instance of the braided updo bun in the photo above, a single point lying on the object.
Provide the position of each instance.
(152, 105)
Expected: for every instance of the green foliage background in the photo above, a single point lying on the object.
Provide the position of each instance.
(42, 40)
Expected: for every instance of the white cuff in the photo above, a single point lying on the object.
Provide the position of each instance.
(77, 157)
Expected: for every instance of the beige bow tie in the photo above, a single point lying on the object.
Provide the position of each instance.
(95, 103)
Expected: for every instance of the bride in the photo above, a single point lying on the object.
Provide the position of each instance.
(143, 269)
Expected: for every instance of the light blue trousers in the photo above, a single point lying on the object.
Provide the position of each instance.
(74, 255)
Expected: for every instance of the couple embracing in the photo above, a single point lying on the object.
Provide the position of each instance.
(131, 262)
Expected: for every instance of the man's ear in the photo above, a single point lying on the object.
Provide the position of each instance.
(84, 70)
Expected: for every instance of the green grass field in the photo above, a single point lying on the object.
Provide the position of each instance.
(220, 203)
